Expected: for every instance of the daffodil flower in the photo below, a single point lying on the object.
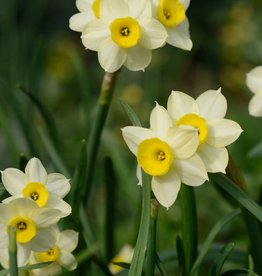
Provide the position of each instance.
(206, 114)
(254, 83)
(124, 34)
(167, 154)
(89, 10)
(172, 14)
(32, 225)
(46, 190)
(59, 254)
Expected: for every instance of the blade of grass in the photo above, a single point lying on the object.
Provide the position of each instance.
(160, 266)
(130, 113)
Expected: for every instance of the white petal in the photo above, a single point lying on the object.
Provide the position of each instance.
(46, 217)
(111, 57)
(185, 3)
(160, 121)
(35, 171)
(215, 159)
(254, 79)
(212, 105)
(166, 188)
(184, 141)
(138, 58)
(180, 104)
(140, 9)
(56, 202)
(133, 136)
(44, 240)
(3, 237)
(49, 270)
(179, 36)
(14, 180)
(154, 35)
(113, 9)
(222, 132)
(67, 260)
(58, 184)
(192, 171)
(84, 5)
(23, 254)
(23, 207)
(78, 21)
(68, 240)
(10, 198)
(255, 105)
(139, 175)
(94, 33)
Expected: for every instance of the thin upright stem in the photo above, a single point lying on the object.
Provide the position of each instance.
(12, 249)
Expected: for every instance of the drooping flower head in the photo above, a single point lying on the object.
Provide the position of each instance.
(206, 114)
(124, 34)
(254, 83)
(167, 154)
(46, 190)
(60, 254)
(172, 14)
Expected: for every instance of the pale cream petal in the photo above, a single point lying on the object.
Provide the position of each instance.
(78, 21)
(44, 240)
(212, 105)
(138, 58)
(160, 121)
(223, 132)
(185, 3)
(84, 5)
(6, 213)
(180, 104)
(183, 141)
(94, 33)
(14, 180)
(113, 9)
(35, 171)
(56, 202)
(179, 36)
(140, 9)
(111, 57)
(139, 175)
(133, 136)
(67, 260)
(255, 105)
(192, 171)
(68, 240)
(50, 270)
(46, 217)
(23, 254)
(215, 159)
(58, 184)
(154, 35)
(254, 79)
(23, 207)
(166, 188)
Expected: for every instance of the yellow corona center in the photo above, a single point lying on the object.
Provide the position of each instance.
(25, 228)
(171, 12)
(37, 192)
(125, 32)
(114, 268)
(96, 8)
(197, 122)
(50, 255)
(154, 156)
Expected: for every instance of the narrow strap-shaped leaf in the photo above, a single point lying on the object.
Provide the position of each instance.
(131, 114)
(141, 243)
(241, 197)
(180, 255)
(210, 238)
(160, 266)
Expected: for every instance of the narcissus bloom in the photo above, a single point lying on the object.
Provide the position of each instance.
(167, 154)
(254, 83)
(172, 14)
(59, 254)
(47, 190)
(89, 9)
(124, 34)
(32, 225)
(206, 114)
(125, 255)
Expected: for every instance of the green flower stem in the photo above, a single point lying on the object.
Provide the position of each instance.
(141, 243)
(189, 226)
(12, 248)
(104, 101)
(151, 245)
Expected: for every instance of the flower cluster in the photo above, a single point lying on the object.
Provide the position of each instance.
(124, 32)
(35, 206)
(254, 83)
(184, 142)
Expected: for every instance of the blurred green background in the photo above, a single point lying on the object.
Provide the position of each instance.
(41, 57)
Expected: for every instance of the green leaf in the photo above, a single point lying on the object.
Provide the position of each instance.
(241, 197)
(220, 259)
(12, 249)
(160, 266)
(256, 151)
(131, 114)
(239, 271)
(180, 254)
(210, 238)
